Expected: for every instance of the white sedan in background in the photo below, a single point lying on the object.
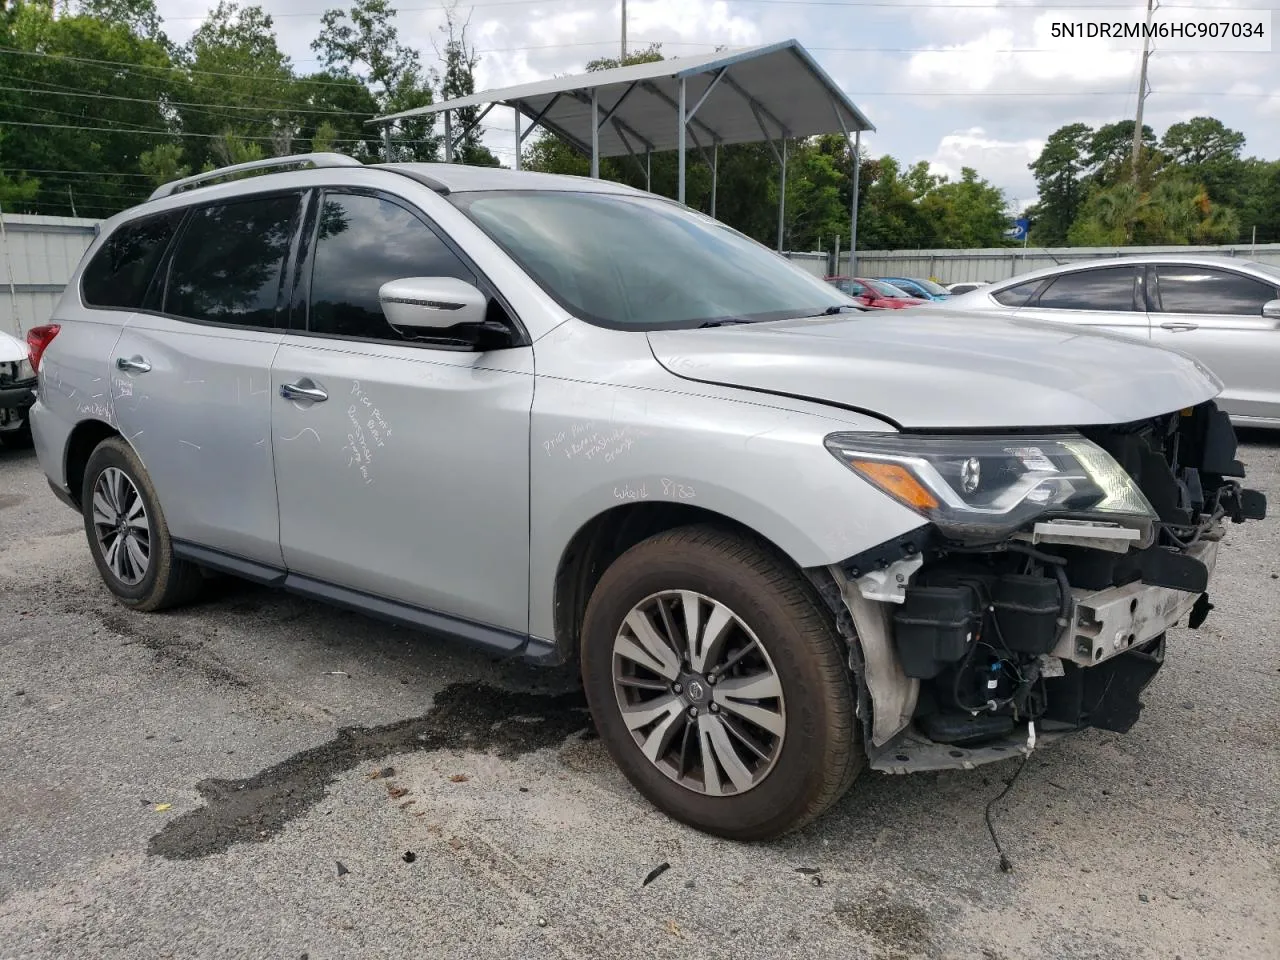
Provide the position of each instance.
(1222, 311)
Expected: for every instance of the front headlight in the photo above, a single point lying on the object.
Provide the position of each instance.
(987, 487)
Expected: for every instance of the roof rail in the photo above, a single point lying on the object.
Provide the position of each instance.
(314, 159)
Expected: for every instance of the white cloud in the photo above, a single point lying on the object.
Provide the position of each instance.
(1003, 162)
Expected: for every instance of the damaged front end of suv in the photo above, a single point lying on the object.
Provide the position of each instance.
(1036, 598)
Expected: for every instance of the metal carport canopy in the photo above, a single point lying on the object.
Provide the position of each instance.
(769, 94)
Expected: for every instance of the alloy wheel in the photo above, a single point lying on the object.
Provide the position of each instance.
(121, 525)
(698, 692)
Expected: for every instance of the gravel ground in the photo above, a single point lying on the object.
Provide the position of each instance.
(248, 777)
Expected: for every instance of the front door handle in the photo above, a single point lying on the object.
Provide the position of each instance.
(304, 389)
(1179, 327)
(134, 364)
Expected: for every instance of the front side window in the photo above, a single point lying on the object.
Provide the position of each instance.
(119, 273)
(229, 260)
(361, 243)
(1110, 288)
(639, 263)
(1191, 289)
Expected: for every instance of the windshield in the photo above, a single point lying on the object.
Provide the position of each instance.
(641, 263)
(887, 289)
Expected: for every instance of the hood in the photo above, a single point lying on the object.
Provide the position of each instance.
(942, 370)
(11, 349)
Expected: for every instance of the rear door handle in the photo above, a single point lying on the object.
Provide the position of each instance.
(134, 364)
(1178, 327)
(304, 389)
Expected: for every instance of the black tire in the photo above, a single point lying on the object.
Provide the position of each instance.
(168, 581)
(821, 752)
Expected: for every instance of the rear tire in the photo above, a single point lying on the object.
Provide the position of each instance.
(127, 533)
(778, 723)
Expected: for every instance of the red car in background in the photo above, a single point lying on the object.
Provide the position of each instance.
(875, 294)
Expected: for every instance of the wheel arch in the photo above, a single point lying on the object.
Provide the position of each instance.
(609, 534)
(81, 442)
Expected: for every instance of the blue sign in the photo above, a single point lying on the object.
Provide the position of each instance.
(1019, 229)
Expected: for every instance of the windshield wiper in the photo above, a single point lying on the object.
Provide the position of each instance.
(722, 322)
(833, 310)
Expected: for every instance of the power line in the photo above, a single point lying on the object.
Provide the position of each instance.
(178, 133)
(71, 92)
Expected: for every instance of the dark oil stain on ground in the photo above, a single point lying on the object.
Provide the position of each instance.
(10, 500)
(902, 930)
(465, 716)
(186, 652)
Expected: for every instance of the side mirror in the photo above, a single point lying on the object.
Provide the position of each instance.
(1271, 309)
(432, 304)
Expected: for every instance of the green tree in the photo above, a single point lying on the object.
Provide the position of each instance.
(966, 213)
(364, 42)
(1058, 173)
(78, 116)
(163, 163)
(1207, 151)
(238, 86)
(15, 191)
(459, 81)
(1110, 156)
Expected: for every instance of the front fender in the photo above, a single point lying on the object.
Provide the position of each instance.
(595, 447)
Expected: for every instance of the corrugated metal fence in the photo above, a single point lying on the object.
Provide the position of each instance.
(1001, 263)
(37, 258)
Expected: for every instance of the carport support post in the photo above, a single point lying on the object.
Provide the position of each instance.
(680, 147)
(853, 212)
(386, 142)
(715, 175)
(648, 170)
(516, 164)
(782, 193)
(595, 132)
(448, 138)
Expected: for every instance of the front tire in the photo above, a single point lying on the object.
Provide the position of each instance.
(718, 684)
(127, 533)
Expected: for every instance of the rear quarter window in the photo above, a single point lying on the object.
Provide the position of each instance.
(1015, 296)
(121, 270)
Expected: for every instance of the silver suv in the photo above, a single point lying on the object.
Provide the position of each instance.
(567, 421)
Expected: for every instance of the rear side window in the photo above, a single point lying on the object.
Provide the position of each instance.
(1110, 288)
(1191, 289)
(119, 273)
(1015, 296)
(229, 260)
(362, 242)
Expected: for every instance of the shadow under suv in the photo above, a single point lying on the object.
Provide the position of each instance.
(565, 420)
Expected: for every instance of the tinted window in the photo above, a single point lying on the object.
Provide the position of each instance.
(1110, 288)
(119, 273)
(227, 265)
(1187, 289)
(642, 263)
(361, 243)
(1010, 296)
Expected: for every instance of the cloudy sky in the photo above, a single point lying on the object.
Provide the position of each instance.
(955, 82)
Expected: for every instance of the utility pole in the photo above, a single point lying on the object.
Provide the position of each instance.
(1142, 90)
(622, 60)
